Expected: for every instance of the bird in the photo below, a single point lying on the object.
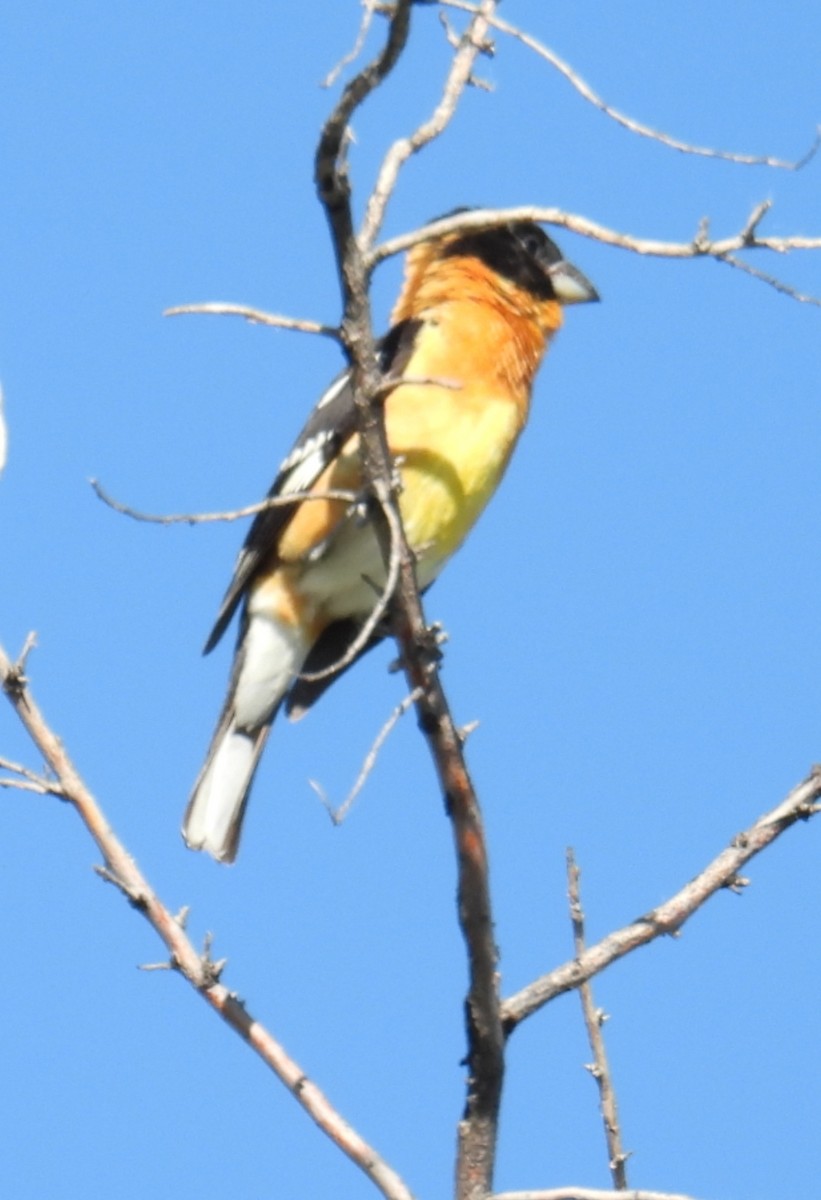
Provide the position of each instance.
(476, 312)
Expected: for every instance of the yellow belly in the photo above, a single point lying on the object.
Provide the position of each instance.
(445, 486)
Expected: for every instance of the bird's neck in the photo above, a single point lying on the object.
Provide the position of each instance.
(499, 329)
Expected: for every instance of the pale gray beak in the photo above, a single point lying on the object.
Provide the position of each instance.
(570, 285)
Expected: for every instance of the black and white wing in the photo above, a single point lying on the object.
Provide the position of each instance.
(330, 425)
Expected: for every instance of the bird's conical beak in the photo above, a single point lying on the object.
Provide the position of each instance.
(570, 285)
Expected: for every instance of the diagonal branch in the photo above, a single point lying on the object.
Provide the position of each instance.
(629, 123)
(772, 281)
(801, 804)
(198, 969)
(339, 814)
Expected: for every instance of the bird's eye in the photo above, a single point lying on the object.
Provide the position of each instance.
(532, 244)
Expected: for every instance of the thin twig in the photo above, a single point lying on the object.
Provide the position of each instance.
(471, 45)
(773, 281)
(249, 510)
(801, 804)
(339, 814)
(27, 780)
(197, 968)
(646, 131)
(256, 316)
(594, 1019)
(17, 676)
(39, 783)
(41, 788)
(754, 220)
(370, 7)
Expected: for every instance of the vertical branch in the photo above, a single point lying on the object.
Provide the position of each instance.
(594, 1019)
(478, 1128)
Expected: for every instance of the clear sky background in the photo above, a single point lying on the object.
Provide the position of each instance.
(643, 651)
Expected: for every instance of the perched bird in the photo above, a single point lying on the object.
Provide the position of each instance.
(469, 330)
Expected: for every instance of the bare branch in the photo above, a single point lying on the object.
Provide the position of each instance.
(700, 246)
(478, 1128)
(6, 764)
(339, 814)
(786, 289)
(471, 45)
(28, 781)
(42, 788)
(370, 7)
(17, 675)
(256, 316)
(594, 1019)
(330, 167)
(197, 968)
(801, 804)
(753, 221)
(629, 123)
(249, 510)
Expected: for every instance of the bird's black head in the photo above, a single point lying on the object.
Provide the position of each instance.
(523, 253)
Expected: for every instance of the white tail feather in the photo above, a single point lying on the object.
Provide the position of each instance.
(214, 815)
(269, 657)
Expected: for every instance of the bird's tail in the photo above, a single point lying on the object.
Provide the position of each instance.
(268, 659)
(213, 818)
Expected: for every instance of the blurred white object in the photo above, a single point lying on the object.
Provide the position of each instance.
(4, 438)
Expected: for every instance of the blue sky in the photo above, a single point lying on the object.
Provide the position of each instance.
(642, 651)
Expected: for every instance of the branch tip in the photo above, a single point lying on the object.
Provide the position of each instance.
(15, 680)
(255, 316)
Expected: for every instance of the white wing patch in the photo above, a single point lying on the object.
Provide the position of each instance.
(336, 389)
(308, 459)
(305, 462)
